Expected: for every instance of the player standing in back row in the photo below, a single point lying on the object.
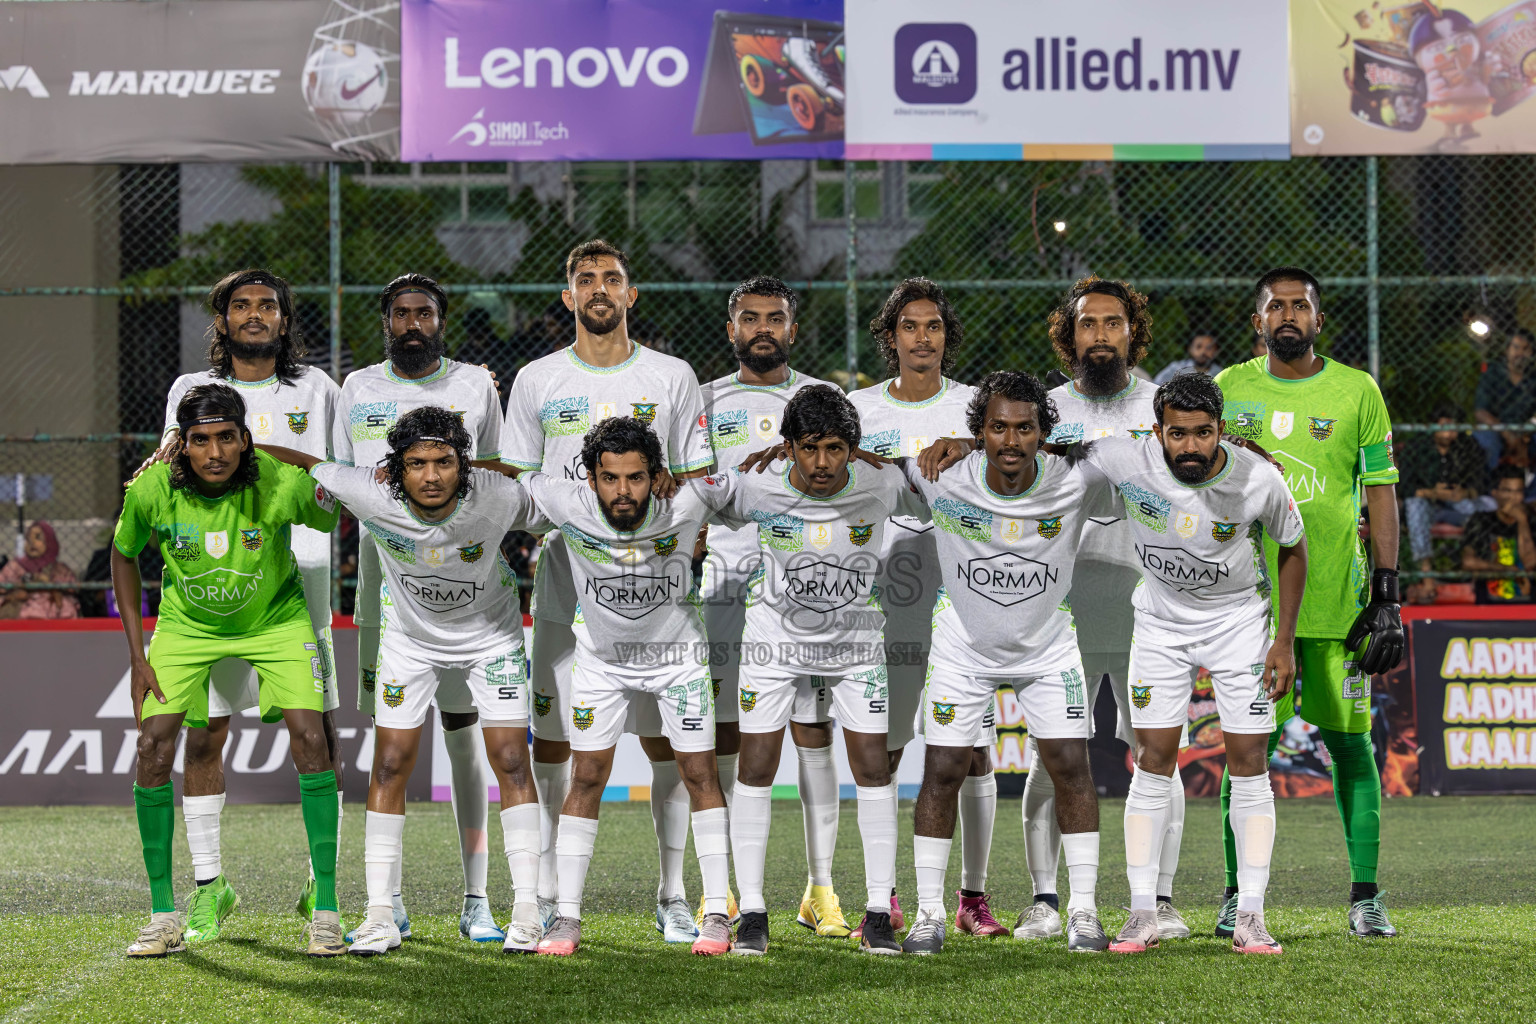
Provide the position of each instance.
(918, 334)
(555, 401)
(1327, 424)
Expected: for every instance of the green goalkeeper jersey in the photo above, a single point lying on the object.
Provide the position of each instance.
(1332, 433)
(229, 566)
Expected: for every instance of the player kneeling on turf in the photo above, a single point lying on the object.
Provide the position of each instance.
(639, 648)
(220, 512)
(450, 613)
(1199, 509)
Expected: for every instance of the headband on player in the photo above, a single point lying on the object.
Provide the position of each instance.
(203, 421)
(415, 439)
(411, 288)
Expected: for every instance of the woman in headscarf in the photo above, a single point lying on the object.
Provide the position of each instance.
(40, 564)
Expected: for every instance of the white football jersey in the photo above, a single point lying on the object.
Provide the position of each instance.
(743, 418)
(373, 398)
(1200, 546)
(813, 605)
(298, 416)
(447, 586)
(1084, 418)
(1007, 561)
(637, 604)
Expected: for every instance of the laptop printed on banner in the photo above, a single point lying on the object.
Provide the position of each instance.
(780, 79)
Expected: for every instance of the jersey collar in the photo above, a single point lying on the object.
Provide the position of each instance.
(1123, 393)
(581, 364)
(981, 477)
(249, 385)
(811, 497)
(1264, 369)
(885, 393)
(438, 374)
(429, 523)
(789, 382)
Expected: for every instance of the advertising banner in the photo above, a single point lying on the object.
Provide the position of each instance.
(1394, 77)
(85, 82)
(1476, 682)
(1033, 79)
(622, 80)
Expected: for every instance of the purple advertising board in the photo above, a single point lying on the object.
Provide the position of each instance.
(621, 80)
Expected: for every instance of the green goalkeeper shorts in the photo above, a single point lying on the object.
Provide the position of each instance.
(287, 663)
(1333, 693)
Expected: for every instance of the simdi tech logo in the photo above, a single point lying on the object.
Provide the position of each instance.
(936, 63)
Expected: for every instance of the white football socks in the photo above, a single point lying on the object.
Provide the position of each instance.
(1253, 826)
(1146, 816)
(1173, 838)
(820, 806)
(520, 839)
(877, 830)
(1042, 836)
(749, 819)
(978, 811)
(931, 858)
(383, 836)
(202, 817)
(712, 843)
(725, 764)
(573, 848)
(669, 818)
(552, 782)
(1081, 850)
(470, 803)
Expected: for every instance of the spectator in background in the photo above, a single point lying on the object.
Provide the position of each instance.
(550, 331)
(1443, 480)
(1501, 540)
(1201, 356)
(39, 564)
(1507, 394)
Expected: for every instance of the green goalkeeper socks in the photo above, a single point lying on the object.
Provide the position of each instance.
(157, 826)
(1357, 792)
(317, 799)
(1228, 840)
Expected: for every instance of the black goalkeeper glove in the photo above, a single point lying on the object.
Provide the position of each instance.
(1380, 626)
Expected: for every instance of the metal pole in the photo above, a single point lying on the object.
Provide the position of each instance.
(850, 280)
(1373, 272)
(333, 225)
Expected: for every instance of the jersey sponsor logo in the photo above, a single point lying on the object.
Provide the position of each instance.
(1303, 478)
(324, 499)
(262, 426)
(251, 539)
(394, 696)
(581, 718)
(586, 545)
(1011, 531)
(186, 550)
(915, 446)
(1048, 528)
(1179, 569)
(747, 698)
(962, 519)
(645, 412)
(221, 592)
(606, 411)
(1099, 432)
(824, 586)
(1141, 696)
(1149, 509)
(216, 543)
(1245, 419)
(943, 711)
(401, 549)
(1072, 690)
(370, 679)
(1355, 683)
(561, 417)
(1280, 424)
(886, 443)
(1259, 706)
(666, 545)
(860, 535)
(440, 594)
(1319, 428)
(1223, 532)
(472, 553)
(728, 429)
(768, 426)
(631, 595)
(370, 421)
(298, 422)
(1140, 435)
(1185, 524)
(780, 530)
(1007, 579)
(542, 703)
(433, 556)
(1066, 433)
(822, 537)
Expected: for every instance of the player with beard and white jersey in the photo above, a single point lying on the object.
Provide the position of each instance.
(918, 335)
(1008, 521)
(744, 411)
(255, 346)
(418, 373)
(1199, 511)
(555, 400)
(451, 614)
(639, 644)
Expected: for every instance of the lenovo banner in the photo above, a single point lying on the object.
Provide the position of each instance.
(86, 82)
(1037, 79)
(621, 80)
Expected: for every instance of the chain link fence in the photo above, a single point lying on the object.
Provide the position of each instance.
(1428, 266)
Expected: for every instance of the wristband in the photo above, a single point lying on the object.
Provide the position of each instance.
(1384, 586)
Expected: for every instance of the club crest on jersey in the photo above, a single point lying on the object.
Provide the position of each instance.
(645, 412)
(915, 446)
(1140, 435)
(216, 543)
(472, 553)
(943, 713)
(370, 679)
(1319, 428)
(298, 422)
(1280, 424)
(1223, 532)
(1185, 524)
(747, 698)
(432, 556)
(542, 703)
(860, 535)
(1012, 531)
(822, 537)
(767, 427)
(251, 539)
(581, 718)
(394, 696)
(1048, 528)
(1141, 696)
(666, 545)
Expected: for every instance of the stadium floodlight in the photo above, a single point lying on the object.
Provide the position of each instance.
(1061, 227)
(1479, 326)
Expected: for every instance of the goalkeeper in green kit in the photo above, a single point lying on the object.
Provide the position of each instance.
(1327, 424)
(221, 514)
